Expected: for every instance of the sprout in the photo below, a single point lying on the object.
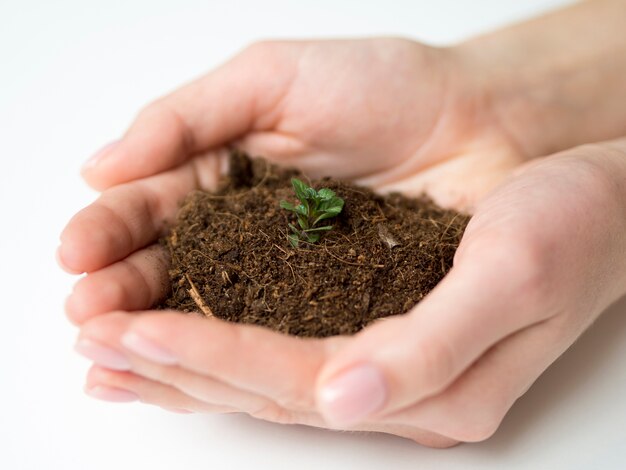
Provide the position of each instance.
(314, 207)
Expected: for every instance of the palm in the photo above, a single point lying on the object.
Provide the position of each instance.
(372, 103)
(392, 113)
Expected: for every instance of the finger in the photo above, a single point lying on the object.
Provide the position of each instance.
(244, 356)
(102, 340)
(287, 150)
(138, 282)
(472, 408)
(99, 340)
(105, 331)
(128, 217)
(402, 360)
(243, 94)
(273, 145)
(111, 385)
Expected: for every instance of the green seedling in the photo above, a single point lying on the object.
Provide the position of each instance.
(314, 207)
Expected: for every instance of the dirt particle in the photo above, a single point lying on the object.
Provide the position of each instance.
(383, 255)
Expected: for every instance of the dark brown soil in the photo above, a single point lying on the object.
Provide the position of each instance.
(231, 256)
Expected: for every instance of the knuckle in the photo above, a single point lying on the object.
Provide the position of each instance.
(265, 53)
(474, 417)
(522, 264)
(602, 187)
(583, 168)
(475, 431)
(151, 109)
(528, 265)
(435, 360)
(164, 111)
(432, 440)
(91, 297)
(294, 389)
(141, 296)
(102, 375)
(110, 232)
(261, 47)
(293, 396)
(104, 296)
(438, 442)
(72, 314)
(74, 308)
(166, 375)
(403, 48)
(269, 411)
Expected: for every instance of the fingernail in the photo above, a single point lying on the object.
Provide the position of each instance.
(62, 265)
(102, 355)
(148, 349)
(99, 155)
(353, 396)
(102, 392)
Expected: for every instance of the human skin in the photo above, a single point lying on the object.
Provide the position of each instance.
(549, 241)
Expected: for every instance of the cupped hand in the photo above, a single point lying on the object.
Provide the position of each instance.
(541, 258)
(374, 109)
(391, 113)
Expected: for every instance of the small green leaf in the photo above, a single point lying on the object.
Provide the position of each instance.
(287, 205)
(294, 240)
(337, 202)
(306, 205)
(314, 207)
(326, 194)
(334, 210)
(327, 215)
(312, 237)
(324, 205)
(318, 229)
(303, 221)
(332, 203)
(301, 209)
(300, 189)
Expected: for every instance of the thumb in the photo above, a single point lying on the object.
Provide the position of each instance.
(207, 113)
(401, 360)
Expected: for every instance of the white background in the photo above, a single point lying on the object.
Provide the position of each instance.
(72, 75)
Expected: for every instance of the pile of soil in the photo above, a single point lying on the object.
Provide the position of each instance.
(231, 257)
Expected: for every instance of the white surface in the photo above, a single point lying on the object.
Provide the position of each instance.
(72, 74)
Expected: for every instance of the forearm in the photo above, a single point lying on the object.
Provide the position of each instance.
(559, 80)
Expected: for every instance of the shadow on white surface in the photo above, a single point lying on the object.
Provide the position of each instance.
(551, 426)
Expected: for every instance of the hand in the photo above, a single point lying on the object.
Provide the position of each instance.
(359, 108)
(541, 258)
(396, 114)
(392, 113)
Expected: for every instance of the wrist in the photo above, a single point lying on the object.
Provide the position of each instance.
(609, 158)
(547, 90)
